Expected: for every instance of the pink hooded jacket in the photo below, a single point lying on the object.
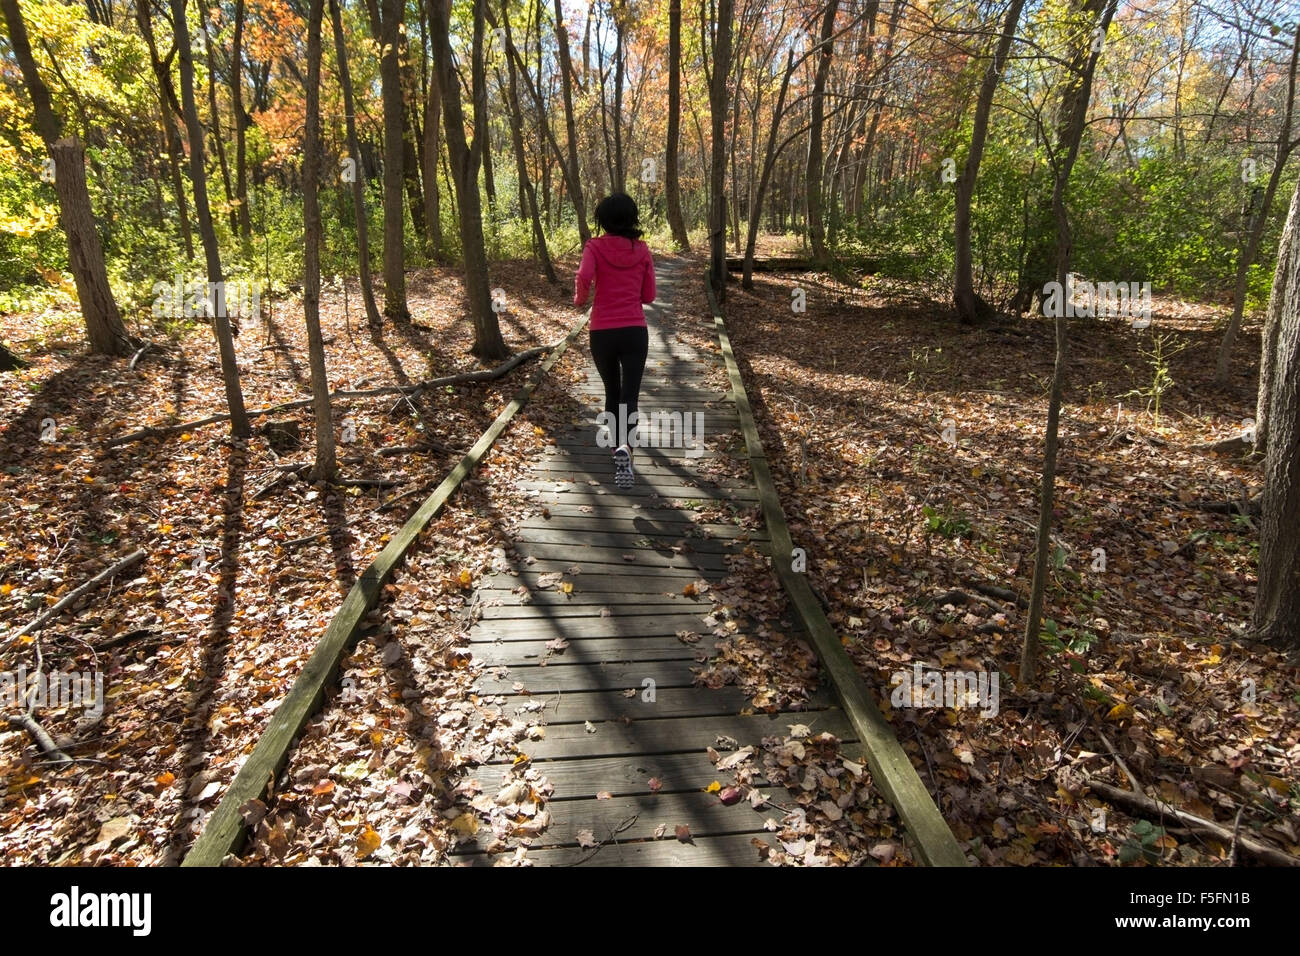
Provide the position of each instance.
(624, 272)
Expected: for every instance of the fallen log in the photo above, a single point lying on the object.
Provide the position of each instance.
(159, 431)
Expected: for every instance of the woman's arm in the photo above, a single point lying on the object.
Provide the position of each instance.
(648, 282)
(582, 281)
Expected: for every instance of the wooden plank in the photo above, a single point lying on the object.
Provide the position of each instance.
(605, 705)
(623, 626)
(528, 612)
(594, 585)
(721, 851)
(633, 528)
(676, 735)
(891, 770)
(495, 596)
(624, 569)
(561, 677)
(628, 775)
(639, 816)
(595, 556)
(622, 542)
(224, 830)
(609, 650)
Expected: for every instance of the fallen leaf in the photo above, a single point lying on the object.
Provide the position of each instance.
(586, 839)
(368, 842)
(684, 833)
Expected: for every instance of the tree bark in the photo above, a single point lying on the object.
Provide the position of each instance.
(211, 253)
(529, 193)
(1277, 599)
(390, 76)
(432, 147)
(326, 466)
(170, 108)
(358, 170)
(813, 169)
(99, 310)
(672, 176)
(241, 125)
(971, 308)
(720, 70)
(572, 171)
(464, 161)
(214, 111)
(1078, 93)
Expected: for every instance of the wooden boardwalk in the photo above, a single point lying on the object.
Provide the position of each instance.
(621, 623)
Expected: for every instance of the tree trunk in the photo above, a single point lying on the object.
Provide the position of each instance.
(325, 466)
(718, 106)
(241, 125)
(672, 178)
(218, 140)
(171, 111)
(971, 308)
(813, 169)
(620, 164)
(358, 172)
(211, 253)
(1285, 146)
(1277, 600)
(104, 326)
(432, 147)
(521, 161)
(488, 344)
(765, 175)
(1078, 93)
(390, 75)
(572, 172)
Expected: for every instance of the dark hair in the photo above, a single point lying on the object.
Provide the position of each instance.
(617, 215)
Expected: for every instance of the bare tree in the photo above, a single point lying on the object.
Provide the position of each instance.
(465, 161)
(1074, 112)
(672, 177)
(816, 158)
(325, 466)
(970, 306)
(716, 72)
(211, 252)
(358, 177)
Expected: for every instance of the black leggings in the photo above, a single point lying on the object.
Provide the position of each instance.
(620, 356)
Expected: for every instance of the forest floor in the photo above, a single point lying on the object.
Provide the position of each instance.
(246, 564)
(908, 450)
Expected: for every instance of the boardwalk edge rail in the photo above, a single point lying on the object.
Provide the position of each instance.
(891, 771)
(225, 829)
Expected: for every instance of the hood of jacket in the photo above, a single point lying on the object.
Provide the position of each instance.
(619, 251)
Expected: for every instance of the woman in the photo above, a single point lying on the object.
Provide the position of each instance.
(624, 273)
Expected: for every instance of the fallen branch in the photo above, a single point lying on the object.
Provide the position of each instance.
(1250, 506)
(1002, 594)
(74, 594)
(42, 737)
(1155, 808)
(158, 431)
